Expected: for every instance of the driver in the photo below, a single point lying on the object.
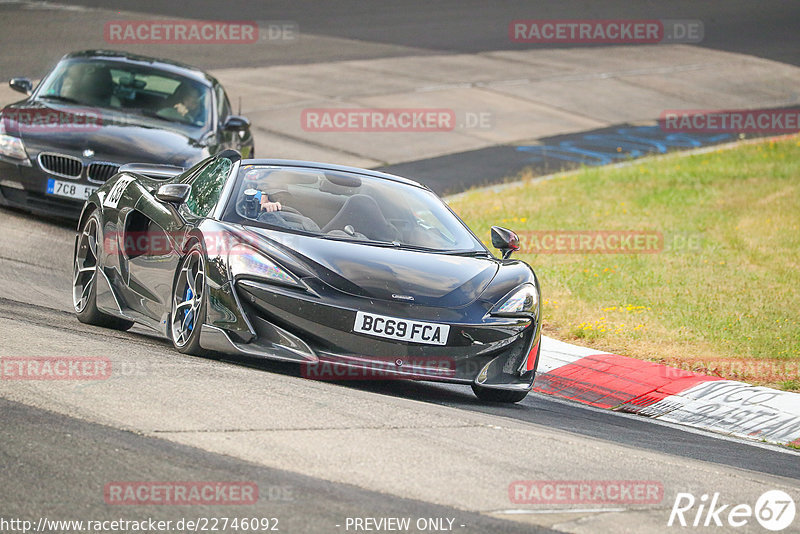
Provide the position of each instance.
(269, 205)
(88, 83)
(273, 197)
(73, 84)
(189, 103)
(276, 205)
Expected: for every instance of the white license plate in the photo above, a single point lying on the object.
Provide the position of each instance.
(401, 329)
(69, 189)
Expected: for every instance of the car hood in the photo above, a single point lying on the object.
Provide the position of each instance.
(115, 137)
(388, 273)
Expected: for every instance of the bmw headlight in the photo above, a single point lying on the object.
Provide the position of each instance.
(523, 301)
(12, 147)
(245, 261)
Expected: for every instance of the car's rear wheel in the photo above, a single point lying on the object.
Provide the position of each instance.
(188, 303)
(84, 278)
(498, 395)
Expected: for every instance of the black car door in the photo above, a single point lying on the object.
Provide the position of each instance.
(154, 234)
(117, 203)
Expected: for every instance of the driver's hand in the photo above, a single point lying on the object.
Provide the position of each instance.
(268, 206)
(181, 108)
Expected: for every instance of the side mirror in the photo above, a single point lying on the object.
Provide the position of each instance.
(174, 193)
(504, 240)
(21, 85)
(235, 123)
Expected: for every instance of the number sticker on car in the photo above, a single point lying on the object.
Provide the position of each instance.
(401, 329)
(116, 192)
(69, 189)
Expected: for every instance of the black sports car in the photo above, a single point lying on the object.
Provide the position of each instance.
(97, 110)
(334, 267)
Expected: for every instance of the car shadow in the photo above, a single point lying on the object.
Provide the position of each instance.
(425, 391)
(51, 220)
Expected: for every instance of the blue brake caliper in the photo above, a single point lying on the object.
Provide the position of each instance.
(187, 311)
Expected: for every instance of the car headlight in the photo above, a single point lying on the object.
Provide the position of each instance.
(523, 301)
(245, 261)
(12, 147)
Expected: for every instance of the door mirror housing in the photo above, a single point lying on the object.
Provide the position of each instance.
(21, 85)
(504, 240)
(175, 194)
(235, 123)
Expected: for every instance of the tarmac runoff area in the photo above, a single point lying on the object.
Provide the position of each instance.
(479, 101)
(454, 121)
(489, 99)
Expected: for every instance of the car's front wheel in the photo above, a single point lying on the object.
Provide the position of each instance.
(498, 395)
(188, 303)
(86, 268)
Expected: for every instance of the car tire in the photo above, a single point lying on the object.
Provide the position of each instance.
(498, 395)
(84, 278)
(188, 309)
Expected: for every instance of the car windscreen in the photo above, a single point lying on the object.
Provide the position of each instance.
(131, 89)
(346, 206)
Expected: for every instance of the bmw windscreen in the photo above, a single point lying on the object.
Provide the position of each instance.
(131, 89)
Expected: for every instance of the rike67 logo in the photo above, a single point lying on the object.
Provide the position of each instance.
(774, 510)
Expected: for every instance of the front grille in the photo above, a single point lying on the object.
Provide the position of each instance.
(100, 172)
(61, 165)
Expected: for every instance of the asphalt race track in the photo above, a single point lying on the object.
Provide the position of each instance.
(61, 489)
(62, 463)
(322, 452)
(470, 26)
(419, 27)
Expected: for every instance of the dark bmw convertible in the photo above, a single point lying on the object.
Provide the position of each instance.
(97, 110)
(333, 267)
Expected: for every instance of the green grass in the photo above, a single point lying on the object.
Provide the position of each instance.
(722, 297)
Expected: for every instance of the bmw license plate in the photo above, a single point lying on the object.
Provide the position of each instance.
(69, 189)
(401, 329)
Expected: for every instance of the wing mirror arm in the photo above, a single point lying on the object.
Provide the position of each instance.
(506, 241)
(174, 196)
(235, 123)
